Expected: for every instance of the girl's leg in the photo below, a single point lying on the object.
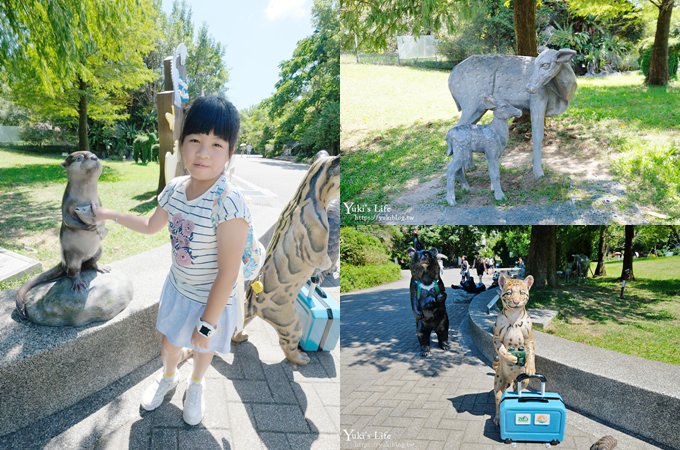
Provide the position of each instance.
(194, 407)
(155, 393)
(171, 357)
(201, 363)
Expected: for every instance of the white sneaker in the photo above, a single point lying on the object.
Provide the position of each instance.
(155, 393)
(194, 408)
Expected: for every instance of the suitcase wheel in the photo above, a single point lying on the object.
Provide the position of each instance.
(554, 442)
(508, 441)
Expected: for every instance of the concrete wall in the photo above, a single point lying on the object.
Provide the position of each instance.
(46, 369)
(634, 394)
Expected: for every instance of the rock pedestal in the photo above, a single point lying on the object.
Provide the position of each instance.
(57, 304)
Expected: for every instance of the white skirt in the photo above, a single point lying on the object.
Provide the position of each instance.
(178, 316)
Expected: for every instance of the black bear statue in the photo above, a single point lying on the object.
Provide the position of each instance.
(428, 297)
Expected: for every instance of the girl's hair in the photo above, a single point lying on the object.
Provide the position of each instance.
(214, 115)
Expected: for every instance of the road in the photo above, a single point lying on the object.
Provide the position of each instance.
(268, 185)
(391, 397)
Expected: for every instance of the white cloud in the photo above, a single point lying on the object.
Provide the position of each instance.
(282, 9)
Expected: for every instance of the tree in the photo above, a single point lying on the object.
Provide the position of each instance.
(542, 259)
(308, 91)
(658, 70)
(205, 66)
(372, 23)
(658, 67)
(627, 269)
(102, 63)
(256, 127)
(526, 41)
(600, 270)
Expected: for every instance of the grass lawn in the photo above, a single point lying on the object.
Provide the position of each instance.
(645, 323)
(31, 188)
(616, 130)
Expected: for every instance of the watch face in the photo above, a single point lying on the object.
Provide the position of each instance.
(205, 331)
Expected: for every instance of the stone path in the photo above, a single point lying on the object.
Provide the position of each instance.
(255, 399)
(392, 398)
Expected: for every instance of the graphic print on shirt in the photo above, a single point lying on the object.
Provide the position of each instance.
(181, 234)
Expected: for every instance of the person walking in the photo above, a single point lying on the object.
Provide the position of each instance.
(480, 267)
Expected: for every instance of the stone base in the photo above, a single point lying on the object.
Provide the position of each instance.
(57, 304)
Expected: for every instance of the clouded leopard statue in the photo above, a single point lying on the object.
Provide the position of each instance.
(298, 247)
(513, 338)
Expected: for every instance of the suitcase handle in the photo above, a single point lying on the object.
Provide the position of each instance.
(312, 284)
(523, 376)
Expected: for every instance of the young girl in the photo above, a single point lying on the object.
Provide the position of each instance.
(209, 226)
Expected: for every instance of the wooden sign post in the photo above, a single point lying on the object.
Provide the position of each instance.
(170, 106)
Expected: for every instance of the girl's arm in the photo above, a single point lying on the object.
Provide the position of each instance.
(231, 241)
(141, 224)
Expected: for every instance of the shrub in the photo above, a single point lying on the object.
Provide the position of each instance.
(40, 134)
(673, 56)
(145, 148)
(361, 277)
(111, 140)
(155, 150)
(361, 249)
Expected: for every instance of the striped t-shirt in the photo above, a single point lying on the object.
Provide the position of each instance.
(192, 225)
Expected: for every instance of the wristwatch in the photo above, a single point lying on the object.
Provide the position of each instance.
(205, 328)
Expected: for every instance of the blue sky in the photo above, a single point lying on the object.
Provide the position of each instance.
(257, 35)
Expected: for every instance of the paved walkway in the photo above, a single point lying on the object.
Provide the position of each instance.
(255, 399)
(392, 398)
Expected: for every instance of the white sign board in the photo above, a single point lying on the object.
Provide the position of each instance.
(417, 47)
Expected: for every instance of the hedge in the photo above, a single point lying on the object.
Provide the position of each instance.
(362, 277)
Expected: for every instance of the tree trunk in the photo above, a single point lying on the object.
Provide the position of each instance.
(658, 66)
(83, 143)
(600, 270)
(542, 259)
(526, 41)
(628, 255)
(526, 44)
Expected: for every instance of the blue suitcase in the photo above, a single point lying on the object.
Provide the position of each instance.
(532, 416)
(319, 315)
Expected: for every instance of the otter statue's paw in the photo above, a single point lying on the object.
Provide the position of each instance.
(298, 357)
(78, 284)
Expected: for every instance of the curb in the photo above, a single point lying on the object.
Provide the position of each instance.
(626, 392)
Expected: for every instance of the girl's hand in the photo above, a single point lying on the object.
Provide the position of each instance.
(100, 214)
(200, 341)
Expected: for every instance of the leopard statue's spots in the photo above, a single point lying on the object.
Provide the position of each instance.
(512, 331)
(298, 247)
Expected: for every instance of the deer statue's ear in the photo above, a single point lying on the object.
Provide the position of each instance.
(564, 55)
